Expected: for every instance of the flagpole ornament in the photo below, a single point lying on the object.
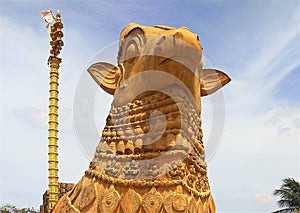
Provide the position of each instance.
(48, 18)
(54, 26)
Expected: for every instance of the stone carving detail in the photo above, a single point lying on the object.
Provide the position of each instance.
(151, 149)
(177, 170)
(152, 201)
(131, 170)
(175, 203)
(67, 207)
(113, 168)
(193, 205)
(108, 201)
(201, 206)
(87, 196)
(74, 193)
(130, 202)
(152, 170)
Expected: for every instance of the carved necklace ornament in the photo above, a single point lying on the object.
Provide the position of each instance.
(152, 201)
(87, 196)
(131, 201)
(108, 201)
(150, 158)
(175, 203)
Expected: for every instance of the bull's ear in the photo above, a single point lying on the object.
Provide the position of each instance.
(212, 80)
(106, 75)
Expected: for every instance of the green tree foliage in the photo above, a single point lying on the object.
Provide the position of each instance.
(289, 194)
(12, 209)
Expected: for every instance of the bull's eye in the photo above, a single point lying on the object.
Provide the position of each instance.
(133, 45)
(131, 52)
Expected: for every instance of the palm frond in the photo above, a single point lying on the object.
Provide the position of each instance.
(289, 194)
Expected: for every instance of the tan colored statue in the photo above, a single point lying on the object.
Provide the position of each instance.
(151, 157)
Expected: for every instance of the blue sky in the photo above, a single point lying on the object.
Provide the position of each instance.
(256, 43)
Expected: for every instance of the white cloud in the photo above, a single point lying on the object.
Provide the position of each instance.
(33, 116)
(270, 52)
(274, 60)
(263, 198)
(286, 120)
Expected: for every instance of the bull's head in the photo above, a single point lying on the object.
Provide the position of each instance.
(176, 51)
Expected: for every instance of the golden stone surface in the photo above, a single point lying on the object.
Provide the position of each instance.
(150, 157)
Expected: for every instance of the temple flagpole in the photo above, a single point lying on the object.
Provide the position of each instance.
(54, 25)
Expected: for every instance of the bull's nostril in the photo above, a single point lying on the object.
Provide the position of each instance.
(161, 40)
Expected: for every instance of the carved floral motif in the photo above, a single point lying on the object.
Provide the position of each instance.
(131, 169)
(176, 203)
(108, 201)
(113, 168)
(152, 170)
(152, 201)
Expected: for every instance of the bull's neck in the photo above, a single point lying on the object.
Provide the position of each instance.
(152, 124)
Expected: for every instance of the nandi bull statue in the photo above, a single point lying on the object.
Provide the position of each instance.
(150, 158)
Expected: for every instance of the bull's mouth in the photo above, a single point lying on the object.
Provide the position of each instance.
(186, 61)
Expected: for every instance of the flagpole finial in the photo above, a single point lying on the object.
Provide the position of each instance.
(56, 35)
(48, 18)
(57, 14)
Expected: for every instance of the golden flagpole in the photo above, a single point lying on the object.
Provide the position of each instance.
(56, 45)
